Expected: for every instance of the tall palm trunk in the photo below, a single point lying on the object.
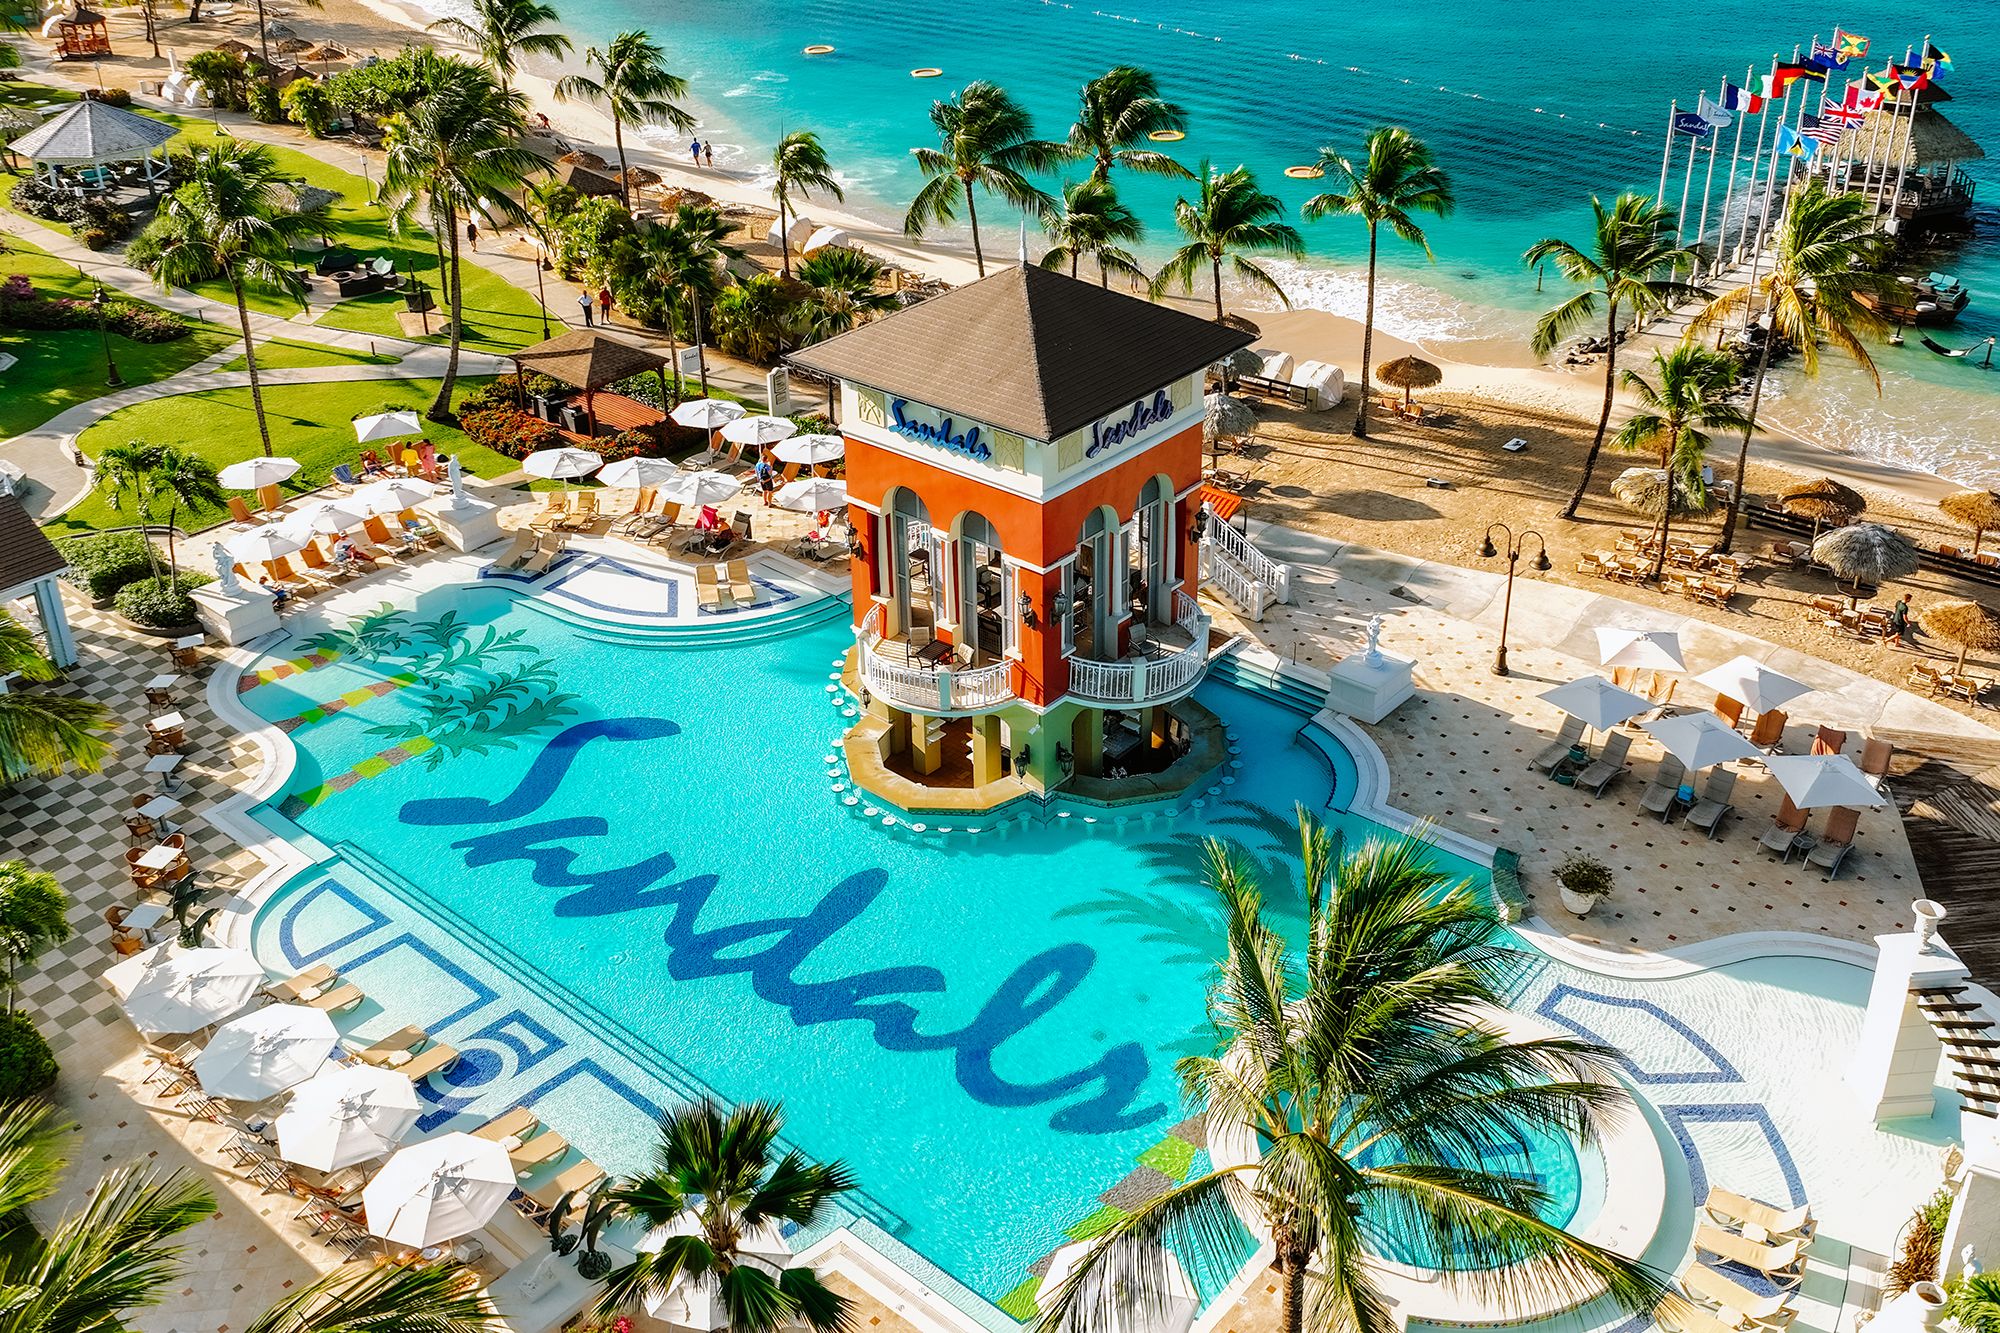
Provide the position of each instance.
(250, 363)
(1666, 514)
(784, 235)
(618, 140)
(700, 352)
(1215, 268)
(1293, 1315)
(972, 216)
(1073, 257)
(1603, 417)
(673, 356)
(441, 406)
(1743, 450)
(1367, 342)
(173, 561)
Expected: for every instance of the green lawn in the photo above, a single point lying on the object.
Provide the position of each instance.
(284, 354)
(309, 422)
(59, 368)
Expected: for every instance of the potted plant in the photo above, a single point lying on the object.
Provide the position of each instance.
(1584, 880)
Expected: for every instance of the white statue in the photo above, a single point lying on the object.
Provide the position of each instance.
(225, 569)
(457, 481)
(1374, 641)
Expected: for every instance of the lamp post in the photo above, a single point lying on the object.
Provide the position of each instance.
(111, 377)
(542, 301)
(1513, 546)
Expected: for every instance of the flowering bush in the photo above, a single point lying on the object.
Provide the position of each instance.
(22, 307)
(509, 431)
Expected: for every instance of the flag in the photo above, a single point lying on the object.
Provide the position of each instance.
(1826, 57)
(1862, 100)
(1740, 99)
(1935, 57)
(1909, 77)
(1850, 45)
(1692, 124)
(1839, 113)
(1713, 112)
(1793, 144)
(1782, 81)
(1820, 131)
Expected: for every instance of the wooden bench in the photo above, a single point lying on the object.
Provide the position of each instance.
(1270, 388)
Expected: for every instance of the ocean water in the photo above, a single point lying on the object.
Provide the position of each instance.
(1532, 108)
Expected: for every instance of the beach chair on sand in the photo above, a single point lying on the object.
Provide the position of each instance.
(1740, 1211)
(515, 1124)
(1708, 813)
(1557, 750)
(1609, 766)
(1836, 840)
(707, 588)
(1729, 710)
(309, 981)
(1784, 1262)
(525, 541)
(1666, 783)
(1829, 740)
(742, 590)
(1787, 833)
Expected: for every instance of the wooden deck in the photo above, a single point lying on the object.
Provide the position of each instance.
(1948, 790)
(615, 413)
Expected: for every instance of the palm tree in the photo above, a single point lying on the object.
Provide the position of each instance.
(1120, 109)
(1357, 1089)
(758, 319)
(985, 139)
(1821, 252)
(122, 472)
(724, 1169)
(1395, 180)
(703, 235)
(458, 149)
(399, 1296)
(501, 30)
(635, 87)
(232, 216)
(801, 167)
(1227, 218)
(33, 917)
(44, 735)
(1629, 265)
(1093, 223)
(185, 480)
(1690, 399)
(842, 291)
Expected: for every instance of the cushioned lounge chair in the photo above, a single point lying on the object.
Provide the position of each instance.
(1836, 840)
(1740, 1211)
(1557, 750)
(1666, 784)
(1708, 813)
(1609, 766)
(1784, 1262)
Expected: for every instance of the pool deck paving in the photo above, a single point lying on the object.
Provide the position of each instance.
(1454, 754)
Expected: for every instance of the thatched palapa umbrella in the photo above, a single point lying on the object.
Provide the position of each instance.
(1978, 510)
(1970, 625)
(1223, 417)
(1643, 490)
(290, 46)
(1407, 373)
(583, 157)
(1242, 361)
(1826, 502)
(235, 47)
(1866, 551)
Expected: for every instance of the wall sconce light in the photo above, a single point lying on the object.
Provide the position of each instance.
(1023, 759)
(1064, 757)
(1027, 612)
(1059, 605)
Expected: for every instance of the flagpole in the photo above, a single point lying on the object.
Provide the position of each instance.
(1707, 185)
(1771, 174)
(1687, 180)
(1902, 158)
(1764, 210)
(1743, 233)
(1798, 125)
(1729, 186)
(1871, 180)
(1667, 156)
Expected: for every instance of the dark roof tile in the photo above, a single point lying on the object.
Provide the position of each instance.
(26, 553)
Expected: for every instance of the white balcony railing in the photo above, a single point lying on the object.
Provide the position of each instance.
(926, 689)
(1147, 680)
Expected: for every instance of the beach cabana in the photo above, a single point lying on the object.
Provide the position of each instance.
(1866, 553)
(589, 360)
(94, 134)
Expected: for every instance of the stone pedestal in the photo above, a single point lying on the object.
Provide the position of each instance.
(465, 525)
(1369, 691)
(1895, 1065)
(238, 616)
(1974, 1229)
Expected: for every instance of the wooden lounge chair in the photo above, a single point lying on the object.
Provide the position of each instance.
(515, 1124)
(1706, 1284)
(1609, 766)
(544, 1147)
(1787, 833)
(1664, 787)
(312, 979)
(742, 590)
(544, 555)
(1557, 750)
(1783, 1261)
(1926, 675)
(543, 1198)
(344, 996)
(1836, 840)
(707, 587)
(432, 1059)
(1740, 1211)
(525, 541)
(1769, 731)
(1708, 813)
(401, 1041)
(582, 512)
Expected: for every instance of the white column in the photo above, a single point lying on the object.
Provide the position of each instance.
(1895, 1065)
(55, 623)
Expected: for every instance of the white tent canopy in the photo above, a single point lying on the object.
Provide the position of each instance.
(391, 495)
(563, 463)
(637, 472)
(706, 413)
(1816, 780)
(1597, 701)
(1645, 649)
(1701, 740)
(260, 546)
(1753, 684)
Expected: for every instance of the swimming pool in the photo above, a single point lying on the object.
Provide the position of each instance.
(646, 835)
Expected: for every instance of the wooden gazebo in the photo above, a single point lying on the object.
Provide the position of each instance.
(589, 359)
(82, 36)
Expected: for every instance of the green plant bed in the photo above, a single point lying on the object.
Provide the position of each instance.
(27, 1065)
(313, 423)
(102, 564)
(284, 354)
(160, 604)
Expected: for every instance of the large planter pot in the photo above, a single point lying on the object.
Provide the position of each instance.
(1579, 903)
(158, 632)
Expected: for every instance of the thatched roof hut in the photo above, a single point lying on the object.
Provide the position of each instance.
(1978, 510)
(1970, 625)
(1866, 552)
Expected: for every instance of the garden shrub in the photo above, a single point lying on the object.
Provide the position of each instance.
(109, 96)
(509, 431)
(307, 104)
(38, 199)
(27, 1065)
(103, 563)
(22, 307)
(264, 103)
(160, 603)
(93, 238)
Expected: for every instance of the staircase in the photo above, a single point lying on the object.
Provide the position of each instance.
(1247, 578)
(1966, 1036)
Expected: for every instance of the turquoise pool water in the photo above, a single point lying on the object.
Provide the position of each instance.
(643, 834)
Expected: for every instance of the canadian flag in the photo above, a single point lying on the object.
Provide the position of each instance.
(1862, 100)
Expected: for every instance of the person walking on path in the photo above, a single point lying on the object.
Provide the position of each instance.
(604, 305)
(694, 151)
(472, 235)
(767, 479)
(708, 152)
(583, 301)
(1903, 625)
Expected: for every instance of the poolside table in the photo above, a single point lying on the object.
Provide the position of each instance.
(159, 808)
(147, 919)
(191, 641)
(167, 722)
(164, 765)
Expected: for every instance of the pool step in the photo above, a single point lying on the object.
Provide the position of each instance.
(722, 631)
(1283, 684)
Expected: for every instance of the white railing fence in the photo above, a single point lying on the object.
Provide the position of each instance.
(940, 690)
(1240, 551)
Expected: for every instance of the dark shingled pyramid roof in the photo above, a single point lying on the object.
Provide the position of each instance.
(1027, 350)
(588, 359)
(26, 554)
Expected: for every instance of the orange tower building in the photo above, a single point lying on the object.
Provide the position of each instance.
(1022, 459)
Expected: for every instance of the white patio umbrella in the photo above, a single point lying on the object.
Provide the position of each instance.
(1597, 701)
(391, 495)
(1753, 684)
(192, 988)
(346, 1114)
(262, 545)
(631, 473)
(265, 1051)
(1170, 1308)
(812, 494)
(254, 474)
(438, 1190)
(321, 517)
(1816, 780)
(1700, 740)
(386, 426)
(813, 449)
(706, 413)
(758, 430)
(563, 463)
(698, 488)
(694, 1303)
(1646, 649)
